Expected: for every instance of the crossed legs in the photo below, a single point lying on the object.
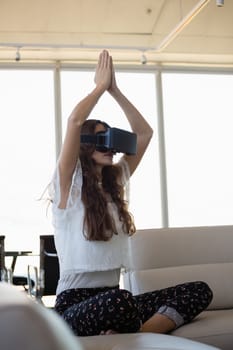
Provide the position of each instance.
(112, 310)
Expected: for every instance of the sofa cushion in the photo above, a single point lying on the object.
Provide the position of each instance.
(212, 327)
(218, 276)
(142, 341)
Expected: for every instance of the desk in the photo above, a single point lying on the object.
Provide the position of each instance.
(15, 255)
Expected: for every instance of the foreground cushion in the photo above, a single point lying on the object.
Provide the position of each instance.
(26, 325)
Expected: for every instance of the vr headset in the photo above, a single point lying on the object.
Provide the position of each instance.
(113, 140)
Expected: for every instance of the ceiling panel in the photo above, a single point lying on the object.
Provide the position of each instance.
(76, 30)
(131, 17)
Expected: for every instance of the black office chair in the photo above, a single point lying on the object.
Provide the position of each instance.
(6, 274)
(47, 278)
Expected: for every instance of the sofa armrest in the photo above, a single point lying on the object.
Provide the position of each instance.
(26, 325)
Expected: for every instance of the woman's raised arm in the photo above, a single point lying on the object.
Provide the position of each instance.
(70, 149)
(137, 122)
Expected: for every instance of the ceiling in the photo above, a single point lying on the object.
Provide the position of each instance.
(135, 31)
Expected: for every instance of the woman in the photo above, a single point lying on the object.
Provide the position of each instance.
(92, 226)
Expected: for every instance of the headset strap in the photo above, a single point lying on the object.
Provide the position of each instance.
(88, 138)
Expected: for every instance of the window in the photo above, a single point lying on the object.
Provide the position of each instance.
(198, 135)
(198, 142)
(140, 89)
(27, 154)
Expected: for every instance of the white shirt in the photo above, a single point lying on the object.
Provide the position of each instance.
(83, 263)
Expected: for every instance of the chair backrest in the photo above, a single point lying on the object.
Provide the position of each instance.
(49, 266)
(2, 255)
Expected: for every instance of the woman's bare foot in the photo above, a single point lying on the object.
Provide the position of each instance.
(108, 332)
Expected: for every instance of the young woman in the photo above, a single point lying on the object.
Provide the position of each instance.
(92, 227)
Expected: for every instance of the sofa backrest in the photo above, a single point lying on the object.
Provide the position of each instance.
(163, 257)
(153, 248)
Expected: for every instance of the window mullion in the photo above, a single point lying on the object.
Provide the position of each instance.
(57, 110)
(162, 151)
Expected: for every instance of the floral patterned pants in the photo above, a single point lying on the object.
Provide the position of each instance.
(92, 310)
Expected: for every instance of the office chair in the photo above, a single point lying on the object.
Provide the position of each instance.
(47, 278)
(2, 259)
(6, 274)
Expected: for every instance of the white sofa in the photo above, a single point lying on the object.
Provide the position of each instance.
(165, 257)
(27, 325)
(159, 258)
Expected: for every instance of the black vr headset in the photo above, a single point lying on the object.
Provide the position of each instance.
(113, 140)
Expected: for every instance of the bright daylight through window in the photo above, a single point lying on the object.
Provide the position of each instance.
(198, 114)
(198, 143)
(140, 89)
(27, 154)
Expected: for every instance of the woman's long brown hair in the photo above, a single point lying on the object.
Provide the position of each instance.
(98, 222)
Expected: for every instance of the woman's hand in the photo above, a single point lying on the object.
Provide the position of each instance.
(103, 73)
(113, 86)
